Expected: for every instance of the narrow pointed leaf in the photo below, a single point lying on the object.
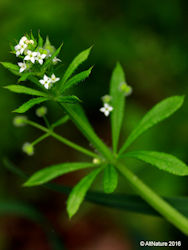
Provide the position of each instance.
(74, 64)
(78, 116)
(68, 99)
(158, 113)
(11, 67)
(162, 161)
(125, 202)
(25, 90)
(76, 79)
(79, 191)
(49, 173)
(118, 102)
(24, 76)
(56, 53)
(32, 102)
(40, 40)
(110, 179)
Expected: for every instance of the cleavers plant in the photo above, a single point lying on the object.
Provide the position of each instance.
(39, 62)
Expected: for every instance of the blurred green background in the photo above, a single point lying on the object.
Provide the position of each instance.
(150, 40)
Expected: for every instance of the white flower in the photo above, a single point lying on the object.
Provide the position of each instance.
(31, 56)
(106, 109)
(23, 40)
(22, 66)
(40, 57)
(46, 81)
(56, 60)
(20, 48)
(54, 78)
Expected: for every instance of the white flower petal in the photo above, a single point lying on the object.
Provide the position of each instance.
(41, 81)
(27, 58)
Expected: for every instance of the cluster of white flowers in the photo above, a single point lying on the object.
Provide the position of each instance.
(22, 45)
(47, 82)
(27, 50)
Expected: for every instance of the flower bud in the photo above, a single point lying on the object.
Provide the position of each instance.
(40, 112)
(96, 161)
(28, 148)
(126, 89)
(106, 98)
(19, 121)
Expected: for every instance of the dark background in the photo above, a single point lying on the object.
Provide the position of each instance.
(150, 39)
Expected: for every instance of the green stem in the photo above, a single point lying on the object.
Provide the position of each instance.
(165, 209)
(88, 132)
(41, 138)
(46, 121)
(60, 121)
(62, 139)
(171, 214)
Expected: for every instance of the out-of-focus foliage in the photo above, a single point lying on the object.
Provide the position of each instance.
(150, 40)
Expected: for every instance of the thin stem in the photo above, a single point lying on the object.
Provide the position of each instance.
(165, 209)
(60, 121)
(46, 121)
(62, 139)
(41, 138)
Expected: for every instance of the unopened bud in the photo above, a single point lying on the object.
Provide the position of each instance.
(40, 112)
(19, 121)
(106, 98)
(126, 89)
(96, 161)
(28, 148)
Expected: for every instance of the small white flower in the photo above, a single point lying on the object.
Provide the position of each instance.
(54, 78)
(23, 40)
(106, 109)
(31, 56)
(20, 48)
(46, 81)
(22, 66)
(40, 57)
(56, 60)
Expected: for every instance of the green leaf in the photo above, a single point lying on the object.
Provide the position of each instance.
(118, 103)
(78, 116)
(125, 202)
(162, 161)
(32, 102)
(158, 113)
(79, 191)
(18, 208)
(56, 53)
(24, 76)
(68, 99)
(76, 79)
(49, 173)
(11, 67)
(74, 65)
(110, 179)
(40, 41)
(25, 90)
